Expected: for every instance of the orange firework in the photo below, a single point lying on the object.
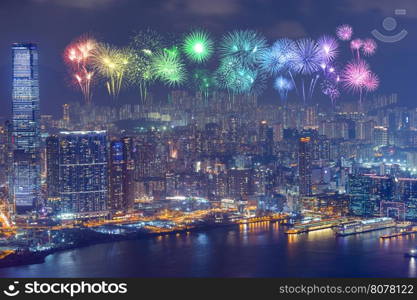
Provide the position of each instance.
(78, 57)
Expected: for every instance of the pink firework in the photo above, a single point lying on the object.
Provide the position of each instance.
(355, 75)
(369, 47)
(78, 56)
(344, 32)
(371, 82)
(356, 44)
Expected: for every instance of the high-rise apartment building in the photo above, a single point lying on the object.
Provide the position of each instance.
(83, 174)
(304, 166)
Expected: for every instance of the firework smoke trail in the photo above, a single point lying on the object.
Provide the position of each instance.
(202, 81)
(78, 56)
(197, 46)
(344, 32)
(112, 64)
(331, 79)
(168, 68)
(355, 46)
(139, 71)
(330, 89)
(247, 46)
(306, 60)
(283, 86)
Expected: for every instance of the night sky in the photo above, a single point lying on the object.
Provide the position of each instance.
(55, 23)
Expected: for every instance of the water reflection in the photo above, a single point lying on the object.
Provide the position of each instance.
(248, 250)
(412, 267)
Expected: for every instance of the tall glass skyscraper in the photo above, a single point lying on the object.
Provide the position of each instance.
(25, 178)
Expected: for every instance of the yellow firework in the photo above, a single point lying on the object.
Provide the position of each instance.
(111, 64)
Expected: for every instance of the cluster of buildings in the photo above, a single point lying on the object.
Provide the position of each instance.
(99, 161)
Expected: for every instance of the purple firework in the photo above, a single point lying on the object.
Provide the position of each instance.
(369, 47)
(306, 57)
(344, 32)
(328, 48)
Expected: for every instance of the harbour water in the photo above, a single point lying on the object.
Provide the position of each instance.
(254, 250)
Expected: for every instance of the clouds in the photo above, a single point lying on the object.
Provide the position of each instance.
(81, 4)
(288, 28)
(203, 7)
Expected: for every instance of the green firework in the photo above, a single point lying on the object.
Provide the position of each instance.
(202, 81)
(197, 46)
(168, 68)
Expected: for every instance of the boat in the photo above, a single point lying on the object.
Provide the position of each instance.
(365, 226)
(411, 253)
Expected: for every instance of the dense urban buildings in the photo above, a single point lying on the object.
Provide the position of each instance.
(190, 161)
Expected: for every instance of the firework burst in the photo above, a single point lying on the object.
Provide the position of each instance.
(369, 47)
(245, 45)
(306, 58)
(202, 81)
(283, 86)
(197, 46)
(344, 32)
(139, 72)
(78, 56)
(371, 82)
(147, 42)
(239, 79)
(168, 68)
(328, 48)
(330, 89)
(111, 64)
(278, 57)
(355, 75)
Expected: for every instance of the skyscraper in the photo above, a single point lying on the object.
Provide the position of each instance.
(304, 166)
(121, 167)
(83, 174)
(25, 177)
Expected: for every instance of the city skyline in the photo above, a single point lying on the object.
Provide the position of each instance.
(271, 140)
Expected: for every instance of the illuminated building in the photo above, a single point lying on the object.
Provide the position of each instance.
(304, 166)
(380, 136)
(25, 177)
(266, 139)
(65, 113)
(121, 167)
(52, 166)
(83, 173)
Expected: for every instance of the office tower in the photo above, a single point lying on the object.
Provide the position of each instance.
(52, 166)
(83, 174)
(239, 183)
(121, 168)
(65, 113)
(25, 179)
(233, 133)
(266, 139)
(52, 173)
(304, 166)
(380, 136)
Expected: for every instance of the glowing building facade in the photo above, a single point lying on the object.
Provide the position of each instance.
(83, 173)
(25, 176)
